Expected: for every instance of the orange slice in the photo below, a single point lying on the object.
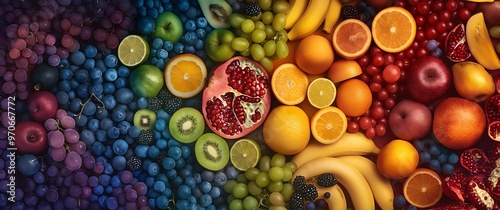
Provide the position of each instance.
(344, 69)
(328, 125)
(423, 188)
(289, 84)
(393, 29)
(321, 93)
(351, 38)
(185, 75)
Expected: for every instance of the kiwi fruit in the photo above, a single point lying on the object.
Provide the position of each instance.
(145, 119)
(186, 125)
(217, 12)
(212, 151)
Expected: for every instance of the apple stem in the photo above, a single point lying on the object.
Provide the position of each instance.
(166, 27)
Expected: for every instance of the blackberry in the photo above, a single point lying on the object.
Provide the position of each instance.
(296, 201)
(170, 102)
(252, 9)
(326, 180)
(145, 137)
(299, 183)
(154, 104)
(161, 157)
(134, 163)
(349, 12)
(309, 193)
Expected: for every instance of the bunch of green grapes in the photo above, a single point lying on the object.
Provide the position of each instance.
(262, 37)
(267, 186)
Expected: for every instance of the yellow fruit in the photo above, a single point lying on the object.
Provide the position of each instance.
(185, 75)
(354, 97)
(321, 93)
(133, 50)
(351, 38)
(289, 84)
(397, 159)
(286, 130)
(344, 69)
(328, 125)
(314, 54)
(393, 29)
(472, 81)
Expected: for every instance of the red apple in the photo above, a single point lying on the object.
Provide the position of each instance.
(410, 120)
(428, 79)
(41, 105)
(31, 137)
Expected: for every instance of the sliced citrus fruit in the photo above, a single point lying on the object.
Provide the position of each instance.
(289, 84)
(344, 69)
(393, 29)
(351, 38)
(133, 50)
(423, 188)
(185, 75)
(321, 92)
(328, 125)
(244, 154)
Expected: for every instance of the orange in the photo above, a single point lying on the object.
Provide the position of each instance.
(397, 159)
(344, 69)
(354, 97)
(423, 188)
(351, 38)
(321, 93)
(185, 75)
(393, 29)
(286, 130)
(289, 84)
(328, 125)
(314, 54)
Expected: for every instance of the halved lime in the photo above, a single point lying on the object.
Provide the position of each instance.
(133, 50)
(244, 154)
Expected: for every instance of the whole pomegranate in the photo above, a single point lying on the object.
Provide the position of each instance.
(237, 99)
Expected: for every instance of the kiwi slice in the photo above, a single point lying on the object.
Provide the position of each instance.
(145, 119)
(186, 125)
(212, 151)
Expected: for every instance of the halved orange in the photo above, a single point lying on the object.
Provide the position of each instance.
(393, 29)
(344, 69)
(321, 92)
(423, 188)
(185, 75)
(328, 125)
(289, 84)
(351, 38)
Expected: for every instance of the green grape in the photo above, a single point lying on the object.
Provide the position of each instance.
(236, 204)
(280, 6)
(262, 180)
(287, 191)
(247, 36)
(291, 165)
(278, 160)
(267, 63)
(265, 163)
(282, 35)
(259, 25)
(287, 175)
(240, 190)
(247, 26)
(279, 21)
(258, 35)
(250, 203)
(241, 178)
(246, 52)
(267, 17)
(257, 52)
(269, 49)
(275, 186)
(276, 173)
(274, 207)
(281, 49)
(270, 32)
(277, 199)
(251, 173)
(256, 18)
(254, 189)
(228, 187)
(235, 20)
(239, 44)
(265, 4)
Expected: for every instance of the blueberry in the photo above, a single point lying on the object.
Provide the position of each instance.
(123, 71)
(431, 45)
(162, 53)
(98, 190)
(183, 191)
(220, 179)
(232, 172)
(153, 151)
(152, 13)
(186, 151)
(174, 143)
(437, 52)
(120, 82)
(141, 151)
(82, 90)
(110, 74)
(452, 158)
(142, 11)
(411, 207)
(64, 85)
(167, 45)
(120, 147)
(93, 124)
(157, 43)
(160, 125)
(190, 49)
(82, 75)
(146, 25)
(168, 163)
(435, 165)
(179, 48)
(124, 95)
(96, 88)
(310, 205)
(153, 169)
(90, 51)
(154, 60)
(119, 163)
(190, 182)
(205, 200)
(399, 201)
(106, 124)
(199, 45)
(77, 58)
(134, 131)
(109, 88)
(87, 136)
(101, 135)
(207, 175)
(448, 169)
(113, 132)
(115, 181)
(442, 158)
(200, 33)
(166, 134)
(159, 186)
(191, 12)
(190, 25)
(89, 63)
(81, 120)
(124, 126)
(201, 22)
(183, 5)
(101, 113)
(215, 192)
(62, 97)
(435, 150)
(161, 143)
(95, 73)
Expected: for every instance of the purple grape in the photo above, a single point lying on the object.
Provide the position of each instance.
(58, 154)
(20, 44)
(73, 161)
(131, 195)
(5, 119)
(21, 63)
(86, 33)
(52, 171)
(93, 181)
(40, 37)
(50, 49)
(76, 18)
(71, 135)
(21, 86)
(54, 60)
(88, 162)
(21, 75)
(112, 41)
(8, 76)
(23, 30)
(75, 191)
(141, 188)
(116, 17)
(70, 202)
(33, 59)
(75, 47)
(30, 40)
(86, 192)
(67, 122)
(65, 24)
(80, 178)
(9, 87)
(106, 23)
(67, 41)
(11, 30)
(34, 26)
(126, 23)
(75, 30)
(62, 53)
(23, 95)
(100, 35)
(56, 139)
(79, 147)
(39, 49)
(52, 195)
(50, 39)
(14, 53)
(27, 52)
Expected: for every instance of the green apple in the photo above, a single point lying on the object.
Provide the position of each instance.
(168, 27)
(218, 45)
(146, 81)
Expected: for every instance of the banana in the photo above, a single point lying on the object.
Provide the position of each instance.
(348, 144)
(337, 199)
(381, 186)
(349, 177)
(332, 16)
(309, 21)
(479, 42)
(297, 8)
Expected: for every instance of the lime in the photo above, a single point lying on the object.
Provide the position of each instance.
(133, 50)
(244, 154)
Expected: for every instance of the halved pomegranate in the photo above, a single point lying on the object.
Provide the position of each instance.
(454, 185)
(475, 160)
(455, 47)
(492, 108)
(237, 99)
(453, 205)
(494, 130)
(493, 179)
(478, 195)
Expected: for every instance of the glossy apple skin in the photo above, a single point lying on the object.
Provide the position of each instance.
(428, 79)
(168, 27)
(31, 137)
(41, 105)
(218, 45)
(410, 120)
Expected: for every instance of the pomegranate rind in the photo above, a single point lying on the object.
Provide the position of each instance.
(454, 185)
(474, 160)
(450, 50)
(494, 130)
(478, 195)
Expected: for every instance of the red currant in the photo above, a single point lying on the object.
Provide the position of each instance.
(352, 127)
(451, 5)
(375, 87)
(378, 60)
(380, 129)
(423, 8)
(365, 122)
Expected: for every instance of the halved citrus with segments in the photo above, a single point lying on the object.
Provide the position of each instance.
(393, 29)
(344, 69)
(185, 75)
(328, 125)
(289, 84)
(133, 50)
(321, 92)
(244, 154)
(351, 38)
(423, 188)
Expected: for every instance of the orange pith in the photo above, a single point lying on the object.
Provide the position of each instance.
(394, 29)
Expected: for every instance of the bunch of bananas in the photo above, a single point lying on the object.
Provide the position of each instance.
(480, 45)
(355, 172)
(305, 16)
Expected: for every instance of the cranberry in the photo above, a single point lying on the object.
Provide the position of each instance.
(380, 129)
(420, 35)
(432, 19)
(389, 103)
(413, 2)
(375, 87)
(363, 60)
(409, 53)
(431, 33)
(423, 8)
(377, 112)
(382, 94)
(421, 52)
(471, 5)
(364, 77)
(377, 78)
(392, 87)
(352, 127)
(437, 6)
(372, 70)
(451, 5)
(389, 59)
(375, 51)
(441, 27)
(444, 15)
(365, 122)
(370, 132)
(420, 20)
(378, 60)
(464, 14)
